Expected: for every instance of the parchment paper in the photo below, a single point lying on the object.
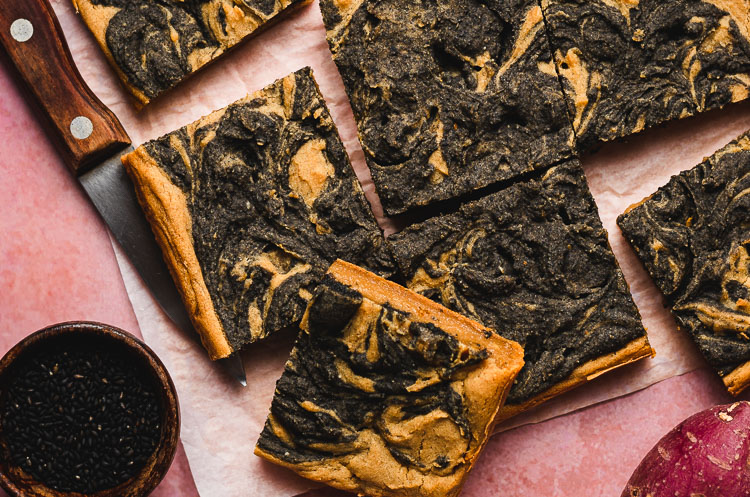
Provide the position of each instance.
(221, 421)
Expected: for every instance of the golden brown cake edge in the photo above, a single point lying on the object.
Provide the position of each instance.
(96, 22)
(632, 352)
(166, 209)
(416, 304)
(738, 380)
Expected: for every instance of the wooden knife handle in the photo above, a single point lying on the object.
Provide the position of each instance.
(86, 131)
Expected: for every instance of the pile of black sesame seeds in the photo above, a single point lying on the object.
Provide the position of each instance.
(80, 419)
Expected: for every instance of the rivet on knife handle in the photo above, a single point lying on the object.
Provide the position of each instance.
(84, 129)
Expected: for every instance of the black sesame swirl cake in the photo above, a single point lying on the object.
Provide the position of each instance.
(250, 206)
(449, 95)
(386, 393)
(532, 262)
(154, 44)
(627, 65)
(693, 236)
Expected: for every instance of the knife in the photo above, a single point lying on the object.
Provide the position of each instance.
(91, 141)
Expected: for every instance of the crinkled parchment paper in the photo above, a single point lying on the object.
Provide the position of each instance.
(221, 421)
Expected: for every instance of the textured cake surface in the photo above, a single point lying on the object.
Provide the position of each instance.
(251, 204)
(533, 263)
(693, 236)
(449, 95)
(153, 44)
(386, 393)
(629, 64)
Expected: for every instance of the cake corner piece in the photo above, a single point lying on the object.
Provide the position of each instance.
(738, 379)
(386, 393)
(180, 37)
(693, 238)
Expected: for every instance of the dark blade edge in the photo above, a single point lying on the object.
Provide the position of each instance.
(112, 192)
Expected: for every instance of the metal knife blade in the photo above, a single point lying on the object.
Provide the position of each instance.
(110, 189)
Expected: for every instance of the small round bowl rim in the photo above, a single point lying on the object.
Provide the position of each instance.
(157, 466)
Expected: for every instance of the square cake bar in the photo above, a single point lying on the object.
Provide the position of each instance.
(250, 206)
(449, 95)
(533, 263)
(153, 45)
(693, 236)
(386, 393)
(627, 65)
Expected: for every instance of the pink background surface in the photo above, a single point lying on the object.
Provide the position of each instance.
(57, 264)
(56, 260)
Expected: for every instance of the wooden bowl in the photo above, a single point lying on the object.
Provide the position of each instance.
(18, 482)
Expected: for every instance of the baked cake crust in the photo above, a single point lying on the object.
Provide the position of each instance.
(627, 65)
(738, 379)
(166, 209)
(588, 371)
(533, 263)
(386, 393)
(154, 45)
(693, 237)
(250, 206)
(449, 96)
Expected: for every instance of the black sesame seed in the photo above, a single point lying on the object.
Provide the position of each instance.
(87, 423)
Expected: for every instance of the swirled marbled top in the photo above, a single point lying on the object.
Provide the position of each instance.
(154, 44)
(251, 204)
(533, 263)
(630, 64)
(386, 393)
(693, 236)
(449, 95)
